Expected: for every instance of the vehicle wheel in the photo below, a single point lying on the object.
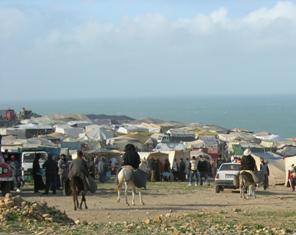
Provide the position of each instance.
(217, 189)
(5, 188)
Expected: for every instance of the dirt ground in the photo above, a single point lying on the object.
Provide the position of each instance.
(166, 197)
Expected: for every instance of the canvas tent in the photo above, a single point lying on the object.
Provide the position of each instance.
(170, 155)
(69, 131)
(99, 133)
(287, 151)
(276, 166)
(121, 141)
(169, 147)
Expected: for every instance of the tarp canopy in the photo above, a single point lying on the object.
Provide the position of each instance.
(122, 141)
(99, 133)
(266, 136)
(169, 147)
(195, 144)
(170, 155)
(238, 136)
(276, 166)
(287, 151)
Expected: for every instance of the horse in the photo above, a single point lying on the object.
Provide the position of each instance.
(77, 186)
(125, 177)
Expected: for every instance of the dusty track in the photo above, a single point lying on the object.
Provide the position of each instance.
(161, 198)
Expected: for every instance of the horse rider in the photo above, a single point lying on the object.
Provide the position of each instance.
(131, 157)
(247, 161)
(78, 168)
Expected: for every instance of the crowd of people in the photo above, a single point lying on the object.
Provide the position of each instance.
(15, 166)
(197, 168)
(54, 172)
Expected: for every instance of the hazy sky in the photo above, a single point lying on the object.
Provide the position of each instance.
(74, 49)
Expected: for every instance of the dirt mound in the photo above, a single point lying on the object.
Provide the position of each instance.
(18, 209)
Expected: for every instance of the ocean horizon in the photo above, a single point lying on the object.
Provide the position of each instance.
(272, 113)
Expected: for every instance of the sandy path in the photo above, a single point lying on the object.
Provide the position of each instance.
(104, 208)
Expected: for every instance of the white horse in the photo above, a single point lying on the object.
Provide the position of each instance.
(124, 177)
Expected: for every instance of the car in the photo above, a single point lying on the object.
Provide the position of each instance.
(225, 176)
(6, 178)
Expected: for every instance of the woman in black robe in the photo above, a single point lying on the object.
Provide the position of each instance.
(37, 175)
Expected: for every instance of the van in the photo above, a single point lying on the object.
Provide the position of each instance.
(27, 162)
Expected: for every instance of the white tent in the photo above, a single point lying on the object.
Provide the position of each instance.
(96, 132)
(170, 155)
(266, 136)
(69, 131)
(276, 166)
(169, 147)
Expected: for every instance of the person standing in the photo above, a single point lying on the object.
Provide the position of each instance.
(291, 177)
(63, 166)
(37, 174)
(18, 173)
(166, 171)
(265, 171)
(101, 169)
(193, 173)
(175, 170)
(182, 170)
(203, 170)
(51, 172)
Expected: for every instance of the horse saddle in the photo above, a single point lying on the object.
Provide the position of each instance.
(257, 175)
(139, 178)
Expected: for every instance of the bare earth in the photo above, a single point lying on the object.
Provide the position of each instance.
(162, 198)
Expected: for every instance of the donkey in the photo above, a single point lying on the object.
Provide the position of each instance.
(77, 186)
(247, 183)
(125, 177)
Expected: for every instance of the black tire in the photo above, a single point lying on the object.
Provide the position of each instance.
(217, 189)
(5, 187)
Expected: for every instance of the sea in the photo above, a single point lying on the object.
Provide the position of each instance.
(273, 113)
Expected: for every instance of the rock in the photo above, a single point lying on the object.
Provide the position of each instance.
(77, 222)
(84, 222)
(23, 204)
(147, 221)
(2, 203)
(45, 215)
(49, 219)
(8, 203)
(8, 195)
(236, 210)
(158, 219)
(168, 215)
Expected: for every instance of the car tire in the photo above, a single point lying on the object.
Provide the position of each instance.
(5, 188)
(217, 189)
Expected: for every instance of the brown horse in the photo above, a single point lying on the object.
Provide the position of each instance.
(77, 186)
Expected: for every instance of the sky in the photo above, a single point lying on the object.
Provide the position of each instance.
(139, 48)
